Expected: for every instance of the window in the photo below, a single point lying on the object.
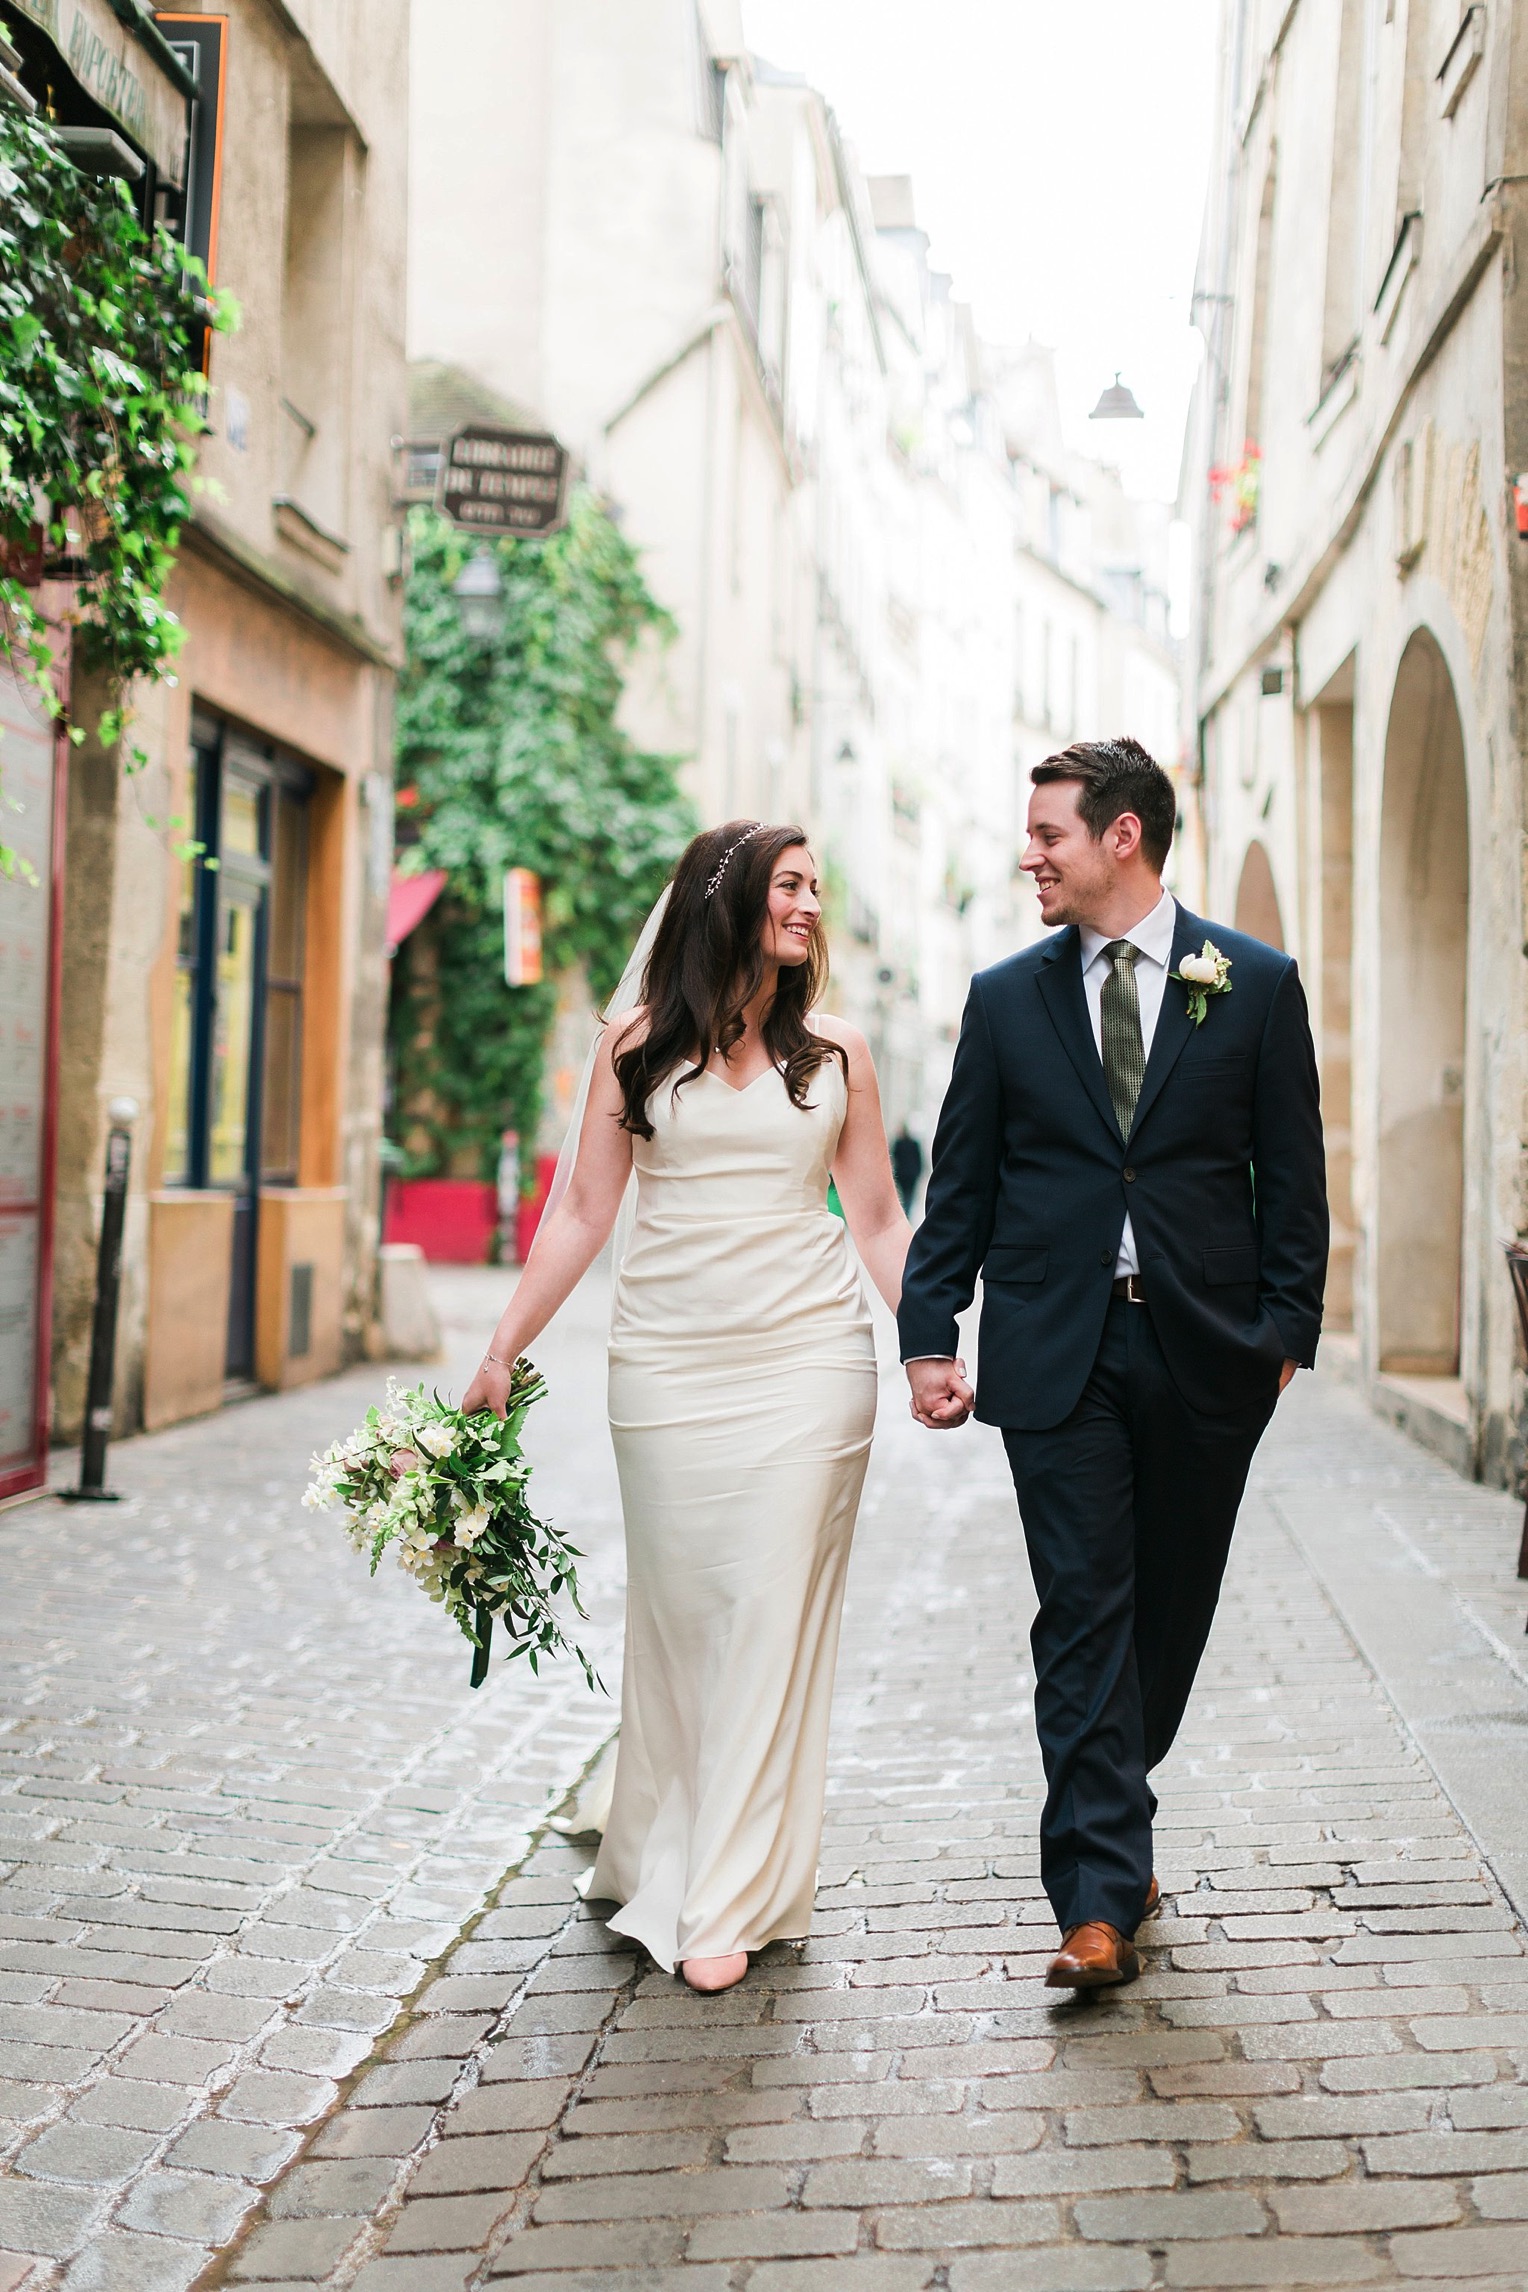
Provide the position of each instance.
(282, 1078)
(177, 1151)
(322, 185)
(237, 1013)
(235, 1098)
(1257, 348)
(753, 262)
(1417, 98)
(1341, 317)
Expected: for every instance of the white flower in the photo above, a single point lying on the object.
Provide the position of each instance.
(439, 1439)
(416, 1550)
(471, 1525)
(1201, 970)
(323, 1489)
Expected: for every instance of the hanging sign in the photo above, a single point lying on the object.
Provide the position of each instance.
(494, 480)
(522, 927)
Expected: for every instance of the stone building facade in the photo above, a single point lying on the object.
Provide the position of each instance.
(1360, 651)
(223, 909)
(661, 245)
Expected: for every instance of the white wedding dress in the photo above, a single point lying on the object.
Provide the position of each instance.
(742, 1399)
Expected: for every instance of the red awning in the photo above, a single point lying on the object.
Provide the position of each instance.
(409, 902)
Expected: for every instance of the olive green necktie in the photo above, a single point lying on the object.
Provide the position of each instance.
(1124, 1052)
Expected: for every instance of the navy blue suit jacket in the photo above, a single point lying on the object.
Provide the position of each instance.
(1223, 1175)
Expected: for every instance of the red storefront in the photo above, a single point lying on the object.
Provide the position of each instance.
(33, 764)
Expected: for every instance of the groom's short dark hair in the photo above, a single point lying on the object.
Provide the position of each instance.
(1115, 776)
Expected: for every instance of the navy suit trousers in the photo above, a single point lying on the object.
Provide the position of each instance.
(1128, 1507)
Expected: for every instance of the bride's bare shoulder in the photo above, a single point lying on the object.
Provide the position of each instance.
(624, 1029)
(847, 1036)
(621, 1031)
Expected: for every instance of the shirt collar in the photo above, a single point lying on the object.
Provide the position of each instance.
(1153, 935)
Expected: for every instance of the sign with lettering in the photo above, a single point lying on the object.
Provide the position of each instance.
(494, 480)
(522, 927)
(119, 73)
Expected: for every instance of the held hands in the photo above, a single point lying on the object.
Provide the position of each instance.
(941, 1398)
(489, 1388)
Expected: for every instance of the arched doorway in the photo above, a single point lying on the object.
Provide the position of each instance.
(1257, 901)
(1424, 943)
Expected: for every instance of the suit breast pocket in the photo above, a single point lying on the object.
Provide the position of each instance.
(1238, 1263)
(1019, 1263)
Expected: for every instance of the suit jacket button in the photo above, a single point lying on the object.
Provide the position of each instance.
(1106, 1257)
(1129, 1177)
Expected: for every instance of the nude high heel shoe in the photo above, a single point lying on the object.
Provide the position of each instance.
(708, 1975)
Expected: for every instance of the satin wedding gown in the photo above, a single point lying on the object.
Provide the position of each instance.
(742, 1399)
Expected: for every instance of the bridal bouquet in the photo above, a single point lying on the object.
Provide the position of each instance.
(448, 1493)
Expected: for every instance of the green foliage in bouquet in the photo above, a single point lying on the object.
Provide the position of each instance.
(510, 755)
(448, 1492)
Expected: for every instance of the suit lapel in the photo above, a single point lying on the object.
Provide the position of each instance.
(1060, 982)
(1174, 1026)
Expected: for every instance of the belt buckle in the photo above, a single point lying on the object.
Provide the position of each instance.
(1134, 1293)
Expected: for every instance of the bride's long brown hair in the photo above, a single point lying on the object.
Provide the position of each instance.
(706, 966)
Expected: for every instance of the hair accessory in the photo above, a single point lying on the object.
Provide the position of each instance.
(715, 883)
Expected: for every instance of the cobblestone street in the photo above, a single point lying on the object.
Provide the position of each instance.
(299, 1990)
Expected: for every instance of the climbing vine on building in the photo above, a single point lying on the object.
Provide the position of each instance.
(509, 755)
(100, 410)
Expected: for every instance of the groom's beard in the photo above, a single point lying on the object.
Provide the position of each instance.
(1066, 910)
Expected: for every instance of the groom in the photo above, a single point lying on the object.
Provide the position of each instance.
(1131, 1159)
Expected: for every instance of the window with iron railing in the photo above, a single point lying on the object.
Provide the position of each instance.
(751, 282)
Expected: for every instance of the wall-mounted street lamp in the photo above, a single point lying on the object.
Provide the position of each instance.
(1117, 405)
(479, 590)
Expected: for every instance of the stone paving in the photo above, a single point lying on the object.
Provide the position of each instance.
(1319, 2081)
(246, 1798)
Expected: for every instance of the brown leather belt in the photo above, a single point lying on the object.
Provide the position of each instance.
(1129, 1285)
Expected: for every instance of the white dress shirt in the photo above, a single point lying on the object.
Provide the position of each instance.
(1153, 937)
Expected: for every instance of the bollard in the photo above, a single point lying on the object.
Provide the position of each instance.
(103, 1335)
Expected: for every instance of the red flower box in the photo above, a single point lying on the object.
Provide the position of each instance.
(455, 1221)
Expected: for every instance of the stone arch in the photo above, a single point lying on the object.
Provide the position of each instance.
(1423, 968)
(1257, 899)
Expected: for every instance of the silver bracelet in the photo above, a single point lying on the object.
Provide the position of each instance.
(498, 1364)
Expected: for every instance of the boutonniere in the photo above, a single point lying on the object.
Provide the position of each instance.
(1205, 974)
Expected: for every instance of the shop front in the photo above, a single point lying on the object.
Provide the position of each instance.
(260, 1236)
(34, 758)
(214, 916)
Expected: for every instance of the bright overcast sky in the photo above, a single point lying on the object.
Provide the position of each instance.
(1059, 155)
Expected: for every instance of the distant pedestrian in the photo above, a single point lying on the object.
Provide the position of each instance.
(906, 1166)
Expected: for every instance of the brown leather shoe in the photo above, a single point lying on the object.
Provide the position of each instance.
(1092, 1957)
(1153, 1898)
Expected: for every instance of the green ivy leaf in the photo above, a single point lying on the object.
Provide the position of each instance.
(100, 409)
(512, 756)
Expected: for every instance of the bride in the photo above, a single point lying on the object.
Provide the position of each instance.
(742, 1390)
